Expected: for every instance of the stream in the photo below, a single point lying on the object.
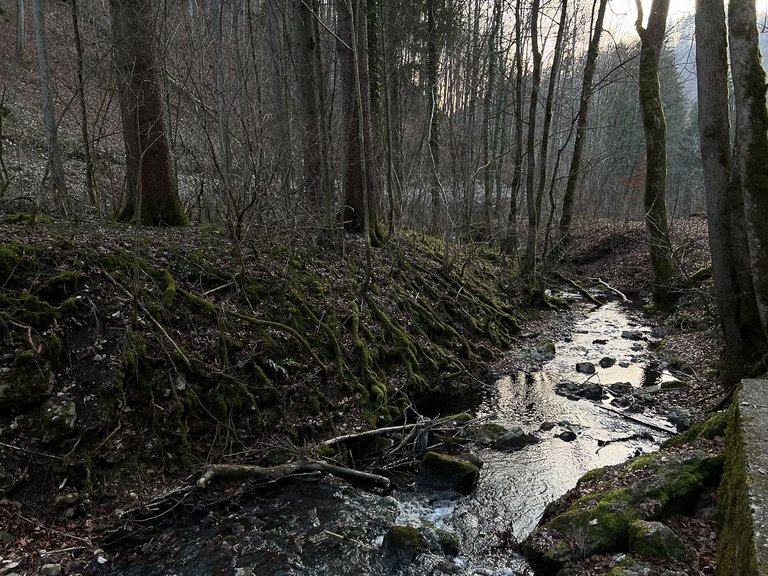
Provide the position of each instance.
(327, 527)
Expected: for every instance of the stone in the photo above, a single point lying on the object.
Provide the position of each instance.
(442, 541)
(621, 388)
(591, 391)
(547, 426)
(607, 362)
(515, 439)
(657, 540)
(630, 566)
(585, 368)
(543, 350)
(50, 570)
(632, 335)
(486, 433)
(59, 419)
(680, 418)
(672, 384)
(567, 435)
(404, 543)
(448, 473)
(472, 458)
(600, 341)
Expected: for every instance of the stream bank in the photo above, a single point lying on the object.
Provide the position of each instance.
(325, 526)
(67, 280)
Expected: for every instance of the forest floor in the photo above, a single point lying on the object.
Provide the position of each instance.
(130, 359)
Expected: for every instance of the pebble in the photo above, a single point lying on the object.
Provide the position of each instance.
(50, 569)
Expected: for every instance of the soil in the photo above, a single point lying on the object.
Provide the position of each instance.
(220, 360)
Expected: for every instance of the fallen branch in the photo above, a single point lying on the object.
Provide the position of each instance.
(579, 288)
(607, 286)
(369, 433)
(271, 473)
(638, 421)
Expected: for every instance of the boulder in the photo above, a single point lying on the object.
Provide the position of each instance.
(621, 388)
(515, 439)
(404, 543)
(657, 540)
(486, 433)
(607, 362)
(448, 473)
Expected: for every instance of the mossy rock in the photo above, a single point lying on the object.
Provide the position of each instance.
(713, 427)
(486, 433)
(404, 543)
(26, 383)
(448, 473)
(655, 540)
(442, 541)
(10, 258)
(58, 420)
(515, 439)
(676, 482)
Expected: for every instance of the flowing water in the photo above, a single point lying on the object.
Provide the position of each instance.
(326, 527)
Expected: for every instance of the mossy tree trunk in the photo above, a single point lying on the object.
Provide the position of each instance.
(752, 136)
(655, 126)
(152, 198)
(734, 292)
(582, 117)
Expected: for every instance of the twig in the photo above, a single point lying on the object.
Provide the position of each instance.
(44, 527)
(28, 451)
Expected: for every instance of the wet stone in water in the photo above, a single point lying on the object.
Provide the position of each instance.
(585, 367)
(607, 362)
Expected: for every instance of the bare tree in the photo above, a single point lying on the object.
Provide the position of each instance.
(655, 126)
(529, 262)
(752, 137)
(734, 291)
(90, 179)
(361, 188)
(593, 51)
(152, 198)
(55, 161)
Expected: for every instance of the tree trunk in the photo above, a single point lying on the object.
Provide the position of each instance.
(489, 165)
(593, 51)
(752, 136)
(545, 132)
(529, 262)
(360, 189)
(737, 307)
(90, 180)
(152, 197)
(309, 82)
(21, 29)
(55, 162)
(655, 126)
(517, 169)
(434, 46)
